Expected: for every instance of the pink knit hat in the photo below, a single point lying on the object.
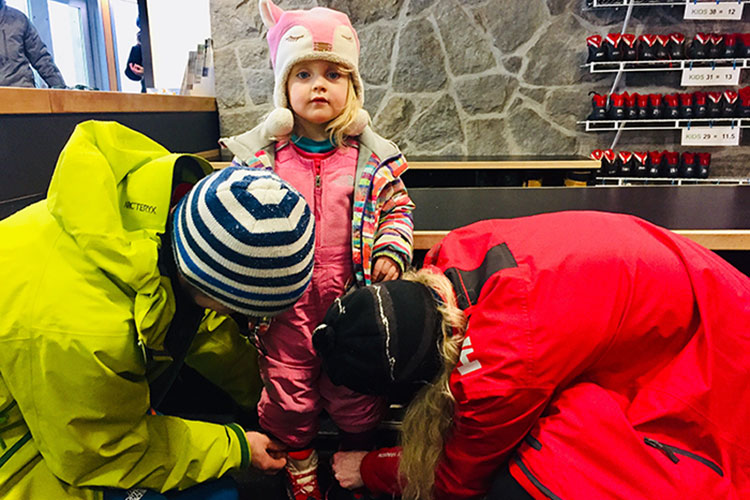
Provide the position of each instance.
(304, 35)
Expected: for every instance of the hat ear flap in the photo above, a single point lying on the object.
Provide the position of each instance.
(269, 13)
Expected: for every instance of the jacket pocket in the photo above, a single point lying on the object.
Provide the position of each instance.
(534, 480)
(674, 454)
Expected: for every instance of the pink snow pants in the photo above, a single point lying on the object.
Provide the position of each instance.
(295, 388)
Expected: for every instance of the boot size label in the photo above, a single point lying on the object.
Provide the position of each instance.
(723, 75)
(711, 136)
(702, 9)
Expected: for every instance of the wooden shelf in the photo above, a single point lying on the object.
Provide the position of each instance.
(15, 101)
(714, 239)
(487, 164)
(504, 165)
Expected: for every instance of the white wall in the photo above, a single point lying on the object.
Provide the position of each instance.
(177, 27)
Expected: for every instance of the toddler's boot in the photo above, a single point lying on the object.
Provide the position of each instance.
(631, 108)
(686, 105)
(672, 168)
(716, 46)
(609, 163)
(599, 104)
(596, 49)
(598, 155)
(647, 47)
(641, 163)
(699, 46)
(729, 104)
(662, 47)
(642, 102)
(713, 103)
(743, 107)
(671, 106)
(302, 475)
(655, 107)
(688, 165)
(616, 109)
(628, 48)
(625, 163)
(655, 159)
(612, 47)
(743, 45)
(676, 46)
(730, 46)
(704, 163)
(700, 108)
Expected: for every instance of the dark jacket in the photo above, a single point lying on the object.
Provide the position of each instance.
(20, 49)
(135, 57)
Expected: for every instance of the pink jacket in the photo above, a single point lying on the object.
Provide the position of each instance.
(381, 220)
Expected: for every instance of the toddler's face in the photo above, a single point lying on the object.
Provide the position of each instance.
(317, 91)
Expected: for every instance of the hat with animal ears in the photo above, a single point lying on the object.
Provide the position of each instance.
(305, 35)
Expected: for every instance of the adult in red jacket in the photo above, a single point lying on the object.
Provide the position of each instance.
(596, 356)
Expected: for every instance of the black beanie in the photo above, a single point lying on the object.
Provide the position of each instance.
(381, 339)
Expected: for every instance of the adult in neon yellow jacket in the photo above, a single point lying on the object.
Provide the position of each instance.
(102, 294)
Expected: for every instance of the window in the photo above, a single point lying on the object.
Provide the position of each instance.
(70, 40)
(21, 5)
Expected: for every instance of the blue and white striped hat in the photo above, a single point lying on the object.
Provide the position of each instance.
(245, 238)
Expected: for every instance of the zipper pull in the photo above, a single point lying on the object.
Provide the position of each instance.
(316, 164)
(663, 448)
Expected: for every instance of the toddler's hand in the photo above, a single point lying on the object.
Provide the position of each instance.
(345, 467)
(385, 269)
(266, 454)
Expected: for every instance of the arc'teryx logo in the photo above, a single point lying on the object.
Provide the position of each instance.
(140, 207)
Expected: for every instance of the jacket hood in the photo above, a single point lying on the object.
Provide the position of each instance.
(111, 193)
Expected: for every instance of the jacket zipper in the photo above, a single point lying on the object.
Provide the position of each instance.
(671, 452)
(318, 201)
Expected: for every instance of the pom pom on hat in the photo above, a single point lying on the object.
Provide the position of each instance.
(245, 238)
(279, 123)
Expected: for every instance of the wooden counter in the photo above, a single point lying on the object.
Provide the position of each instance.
(22, 101)
(35, 124)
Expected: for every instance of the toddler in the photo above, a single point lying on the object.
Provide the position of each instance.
(318, 139)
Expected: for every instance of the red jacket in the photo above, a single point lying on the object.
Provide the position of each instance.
(615, 352)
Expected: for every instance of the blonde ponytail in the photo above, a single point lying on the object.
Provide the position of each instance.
(429, 417)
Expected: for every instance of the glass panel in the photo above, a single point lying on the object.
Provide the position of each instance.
(22, 5)
(68, 42)
(124, 14)
(171, 42)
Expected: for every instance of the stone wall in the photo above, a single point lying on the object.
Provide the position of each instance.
(469, 77)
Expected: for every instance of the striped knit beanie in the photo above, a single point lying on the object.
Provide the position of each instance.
(245, 238)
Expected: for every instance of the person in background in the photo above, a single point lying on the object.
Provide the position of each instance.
(134, 69)
(130, 267)
(318, 139)
(20, 49)
(574, 355)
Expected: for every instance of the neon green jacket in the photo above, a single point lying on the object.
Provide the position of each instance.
(82, 301)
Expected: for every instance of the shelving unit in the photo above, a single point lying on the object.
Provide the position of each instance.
(663, 124)
(668, 181)
(609, 4)
(664, 65)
